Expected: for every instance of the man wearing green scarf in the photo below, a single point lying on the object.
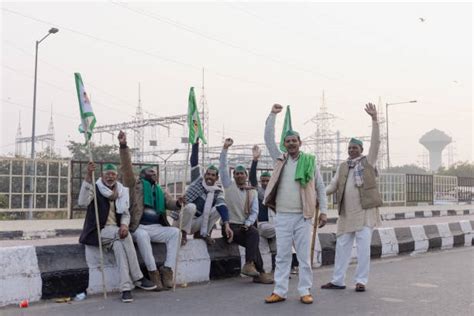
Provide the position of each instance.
(148, 221)
(293, 191)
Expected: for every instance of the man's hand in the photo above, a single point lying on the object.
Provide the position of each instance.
(256, 152)
(371, 110)
(229, 233)
(90, 170)
(228, 142)
(123, 231)
(277, 108)
(323, 219)
(122, 137)
(181, 200)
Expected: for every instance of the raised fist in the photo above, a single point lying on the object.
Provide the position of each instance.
(122, 137)
(277, 108)
(228, 142)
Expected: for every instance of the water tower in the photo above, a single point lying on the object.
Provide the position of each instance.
(435, 141)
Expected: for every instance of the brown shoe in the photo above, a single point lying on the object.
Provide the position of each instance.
(184, 238)
(360, 287)
(306, 299)
(274, 298)
(156, 279)
(264, 278)
(166, 277)
(249, 270)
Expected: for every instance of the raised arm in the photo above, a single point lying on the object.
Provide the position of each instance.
(270, 132)
(86, 194)
(128, 177)
(223, 168)
(194, 161)
(375, 137)
(253, 169)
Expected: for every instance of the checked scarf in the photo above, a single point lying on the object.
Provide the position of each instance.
(358, 170)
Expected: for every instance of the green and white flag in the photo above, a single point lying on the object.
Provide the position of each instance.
(87, 115)
(194, 123)
(286, 127)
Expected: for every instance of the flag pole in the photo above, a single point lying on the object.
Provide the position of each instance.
(183, 185)
(96, 209)
(315, 229)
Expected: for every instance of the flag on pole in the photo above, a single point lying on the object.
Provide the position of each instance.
(87, 115)
(286, 127)
(194, 123)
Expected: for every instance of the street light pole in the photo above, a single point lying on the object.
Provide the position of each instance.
(33, 127)
(165, 161)
(51, 31)
(386, 122)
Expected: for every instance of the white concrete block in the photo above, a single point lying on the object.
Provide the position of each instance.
(468, 232)
(112, 282)
(420, 238)
(443, 213)
(409, 215)
(427, 214)
(194, 263)
(447, 239)
(389, 241)
(20, 277)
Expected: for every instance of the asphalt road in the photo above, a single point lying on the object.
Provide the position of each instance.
(435, 283)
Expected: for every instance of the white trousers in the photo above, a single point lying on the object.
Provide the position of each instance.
(192, 224)
(292, 228)
(144, 235)
(125, 256)
(344, 245)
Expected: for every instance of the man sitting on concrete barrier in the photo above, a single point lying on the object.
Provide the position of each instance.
(358, 200)
(242, 202)
(294, 188)
(114, 218)
(266, 227)
(205, 203)
(148, 217)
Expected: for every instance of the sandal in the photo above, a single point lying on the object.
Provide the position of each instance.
(330, 286)
(360, 287)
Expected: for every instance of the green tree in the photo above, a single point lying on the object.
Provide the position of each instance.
(459, 169)
(47, 153)
(99, 152)
(411, 168)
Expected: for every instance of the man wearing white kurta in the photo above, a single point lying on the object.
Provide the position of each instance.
(291, 192)
(358, 200)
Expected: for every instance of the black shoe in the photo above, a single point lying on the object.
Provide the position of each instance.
(145, 284)
(127, 297)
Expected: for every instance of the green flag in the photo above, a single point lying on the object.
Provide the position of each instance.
(87, 115)
(194, 123)
(286, 127)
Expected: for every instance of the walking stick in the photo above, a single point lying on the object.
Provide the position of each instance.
(315, 229)
(96, 209)
(181, 220)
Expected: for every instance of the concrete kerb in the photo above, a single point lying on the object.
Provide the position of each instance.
(56, 271)
(64, 232)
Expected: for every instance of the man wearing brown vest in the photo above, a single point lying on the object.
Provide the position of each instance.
(358, 200)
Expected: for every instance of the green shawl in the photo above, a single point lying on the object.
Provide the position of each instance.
(305, 168)
(154, 200)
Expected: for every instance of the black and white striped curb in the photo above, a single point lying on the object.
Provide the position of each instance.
(69, 232)
(43, 272)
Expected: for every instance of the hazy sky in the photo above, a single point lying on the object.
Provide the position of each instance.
(255, 54)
